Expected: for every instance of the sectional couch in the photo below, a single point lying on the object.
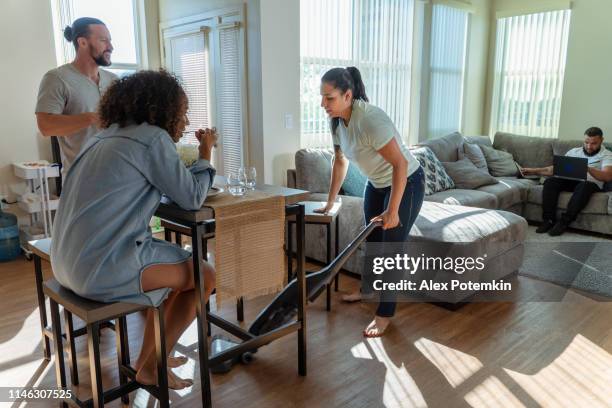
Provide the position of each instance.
(494, 213)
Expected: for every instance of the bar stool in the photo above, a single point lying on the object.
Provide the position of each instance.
(95, 314)
(41, 250)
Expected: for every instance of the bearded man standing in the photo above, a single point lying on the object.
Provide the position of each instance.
(68, 95)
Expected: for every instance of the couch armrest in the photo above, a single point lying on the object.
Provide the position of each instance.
(291, 178)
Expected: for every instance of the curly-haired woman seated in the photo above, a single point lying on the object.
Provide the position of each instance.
(102, 247)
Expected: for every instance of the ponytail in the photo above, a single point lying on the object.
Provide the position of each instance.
(358, 85)
(345, 79)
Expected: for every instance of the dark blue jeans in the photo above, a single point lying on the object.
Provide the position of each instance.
(375, 202)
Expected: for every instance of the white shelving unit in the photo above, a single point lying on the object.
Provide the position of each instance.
(38, 202)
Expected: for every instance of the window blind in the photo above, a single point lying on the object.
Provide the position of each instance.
(447, 67)
(529, 69)
(229, 97)
(189, 60)
(373, 35)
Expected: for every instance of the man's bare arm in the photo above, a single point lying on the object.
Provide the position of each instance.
(604, 175)
(537, 171)
(63, 125)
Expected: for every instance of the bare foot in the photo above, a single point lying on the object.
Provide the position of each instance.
(174, 382)
(352, 297)
(377, 327)
(173, 362)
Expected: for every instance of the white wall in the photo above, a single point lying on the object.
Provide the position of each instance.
(22, 66)
(588, 71)
(273, 77)
(476, 68)
(587, 89)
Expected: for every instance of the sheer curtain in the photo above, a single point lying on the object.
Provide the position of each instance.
(447, 68)
(373, 35)
(529, 68)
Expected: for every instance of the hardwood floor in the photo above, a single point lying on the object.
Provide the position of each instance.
(482, 355)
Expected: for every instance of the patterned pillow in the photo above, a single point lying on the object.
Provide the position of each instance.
(436, 179)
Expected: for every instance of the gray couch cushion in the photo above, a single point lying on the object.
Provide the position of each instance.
(522, 184)
(445, 148)
(600, 203)
(474, 153)
(466, 175)
(507, 193)
(527, 151)
(313, 169)
(469, 198)
(500, 163)
(479, 140)
(450, 223)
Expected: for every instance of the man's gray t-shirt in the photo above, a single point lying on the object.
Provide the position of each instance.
(66, 91)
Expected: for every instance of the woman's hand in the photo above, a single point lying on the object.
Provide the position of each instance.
(208, 139)
(389, 219)
(326, 209)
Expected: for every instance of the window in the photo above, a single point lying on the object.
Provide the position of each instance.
(447, 67)
(373, 35)
(121, 18)
(529, 69)
(207, 54)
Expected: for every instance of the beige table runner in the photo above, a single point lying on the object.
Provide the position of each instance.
(249, 236)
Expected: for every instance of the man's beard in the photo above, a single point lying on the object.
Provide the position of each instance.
(591, 154)
(100, 60)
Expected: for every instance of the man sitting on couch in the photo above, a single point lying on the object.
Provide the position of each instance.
(599, 172)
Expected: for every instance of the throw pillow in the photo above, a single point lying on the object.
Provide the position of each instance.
(354, 182)
(472, 151)
(500, 163)
(466, 175)
(436, 178)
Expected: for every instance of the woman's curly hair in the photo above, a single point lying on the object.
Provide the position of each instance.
(155, 97)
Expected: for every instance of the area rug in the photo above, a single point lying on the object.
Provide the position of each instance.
(572, 260)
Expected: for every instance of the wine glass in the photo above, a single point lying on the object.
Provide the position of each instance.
(250, 174)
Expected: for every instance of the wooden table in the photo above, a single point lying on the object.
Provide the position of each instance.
(202, 225)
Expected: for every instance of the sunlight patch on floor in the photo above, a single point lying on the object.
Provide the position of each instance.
(581, 376)
(455, 365)
(492, 393)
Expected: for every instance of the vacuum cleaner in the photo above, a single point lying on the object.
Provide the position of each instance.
(283, 309)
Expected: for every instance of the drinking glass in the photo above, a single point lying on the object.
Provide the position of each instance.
(236, 181)
(250, 174)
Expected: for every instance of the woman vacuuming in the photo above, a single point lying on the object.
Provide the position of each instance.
(365, 135)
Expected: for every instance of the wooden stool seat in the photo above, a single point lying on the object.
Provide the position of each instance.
(41, 248)
(87, 310)
(94, 314)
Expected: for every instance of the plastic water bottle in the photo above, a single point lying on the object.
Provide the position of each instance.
(9, 237)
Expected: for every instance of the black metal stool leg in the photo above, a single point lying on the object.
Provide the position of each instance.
(93, 345)
(72, 358)
(240, 309)
(42, 307)
(208, 325)
(60, 369)
(123, 353)
(178, 239)
(337, 239)
(160, 352)
(327, 262)
(289, 252)
(205, 256)
(167, 235)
